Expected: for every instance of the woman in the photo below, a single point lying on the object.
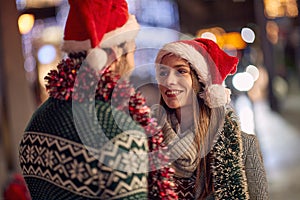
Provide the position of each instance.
(212, 157)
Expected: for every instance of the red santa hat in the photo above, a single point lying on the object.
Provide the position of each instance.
(211, 64)
(95, 24)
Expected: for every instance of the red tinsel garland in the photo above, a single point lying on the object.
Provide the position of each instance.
(70, 83)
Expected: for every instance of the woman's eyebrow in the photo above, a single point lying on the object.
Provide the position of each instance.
(163, 67)
(181, 65)
(176, 66)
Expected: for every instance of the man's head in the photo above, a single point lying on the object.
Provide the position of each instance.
(100, 24)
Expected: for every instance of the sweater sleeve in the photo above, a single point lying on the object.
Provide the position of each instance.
(254, 167)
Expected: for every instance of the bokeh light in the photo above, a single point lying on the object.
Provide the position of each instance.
(209, 35)
(46, 54)
(25, 23)
(281, 8)
(233, 40)
(243, 81)
(248, 35)
(272, 30)
(251, 69)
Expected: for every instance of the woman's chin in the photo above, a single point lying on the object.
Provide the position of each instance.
(173, 105)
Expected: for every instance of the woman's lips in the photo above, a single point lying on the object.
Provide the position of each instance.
(172, 93)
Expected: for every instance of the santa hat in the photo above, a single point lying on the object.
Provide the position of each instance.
(211, 64)
(95, 24)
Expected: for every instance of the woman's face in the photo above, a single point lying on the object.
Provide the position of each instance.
(175, 81)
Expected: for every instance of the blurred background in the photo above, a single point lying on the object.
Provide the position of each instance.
(264, 34)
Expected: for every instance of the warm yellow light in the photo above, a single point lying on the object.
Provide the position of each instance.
(281, 8)
(216, 31)
(271, 8)
(25, 23)
(229, 41)
(292, 9)
(272, 30)
(233, 40)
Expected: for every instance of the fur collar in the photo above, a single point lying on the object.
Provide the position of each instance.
(228, 173)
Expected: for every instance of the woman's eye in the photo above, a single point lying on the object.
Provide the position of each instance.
(163, 73)
(182, 71)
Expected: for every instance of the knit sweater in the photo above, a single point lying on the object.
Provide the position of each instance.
(237, 166)
(62, 158)
(86, 144)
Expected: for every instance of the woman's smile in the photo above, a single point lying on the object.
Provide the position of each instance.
(175, 82)
(172, 93)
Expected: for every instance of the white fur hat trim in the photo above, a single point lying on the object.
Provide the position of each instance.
(190, 54)
(96, 58)
(125, 33)
(216, 95)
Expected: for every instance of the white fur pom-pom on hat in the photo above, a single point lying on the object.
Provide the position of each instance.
(216, 95)
(96, 58)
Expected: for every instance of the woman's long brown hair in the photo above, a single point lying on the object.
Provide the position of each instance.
(202, 139)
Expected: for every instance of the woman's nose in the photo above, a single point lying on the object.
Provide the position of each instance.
(171, 79)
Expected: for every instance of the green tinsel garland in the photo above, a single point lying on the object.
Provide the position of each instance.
(227, 169)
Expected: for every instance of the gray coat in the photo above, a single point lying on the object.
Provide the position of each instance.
(257, 185)
(238, 170)
(236, 164)
(254, 167)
